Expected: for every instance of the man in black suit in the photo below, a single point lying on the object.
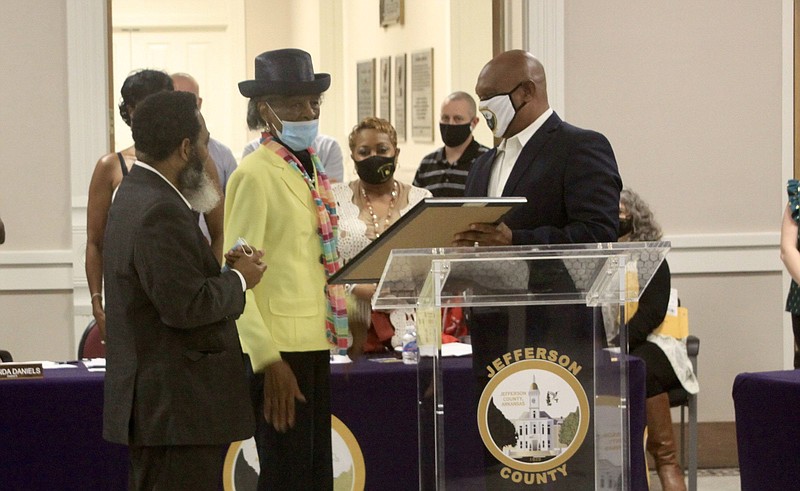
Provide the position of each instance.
(570, 178)
(175, 389)
(568, 174)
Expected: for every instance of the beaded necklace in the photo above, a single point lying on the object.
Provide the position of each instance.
(375, 221)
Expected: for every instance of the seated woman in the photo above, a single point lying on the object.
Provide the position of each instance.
(636, 223)
(367, 207)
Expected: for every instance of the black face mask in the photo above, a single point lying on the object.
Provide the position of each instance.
(625, 226)
(454, 135)
(375, 169)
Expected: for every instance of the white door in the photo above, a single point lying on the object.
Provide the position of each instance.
(201, 52)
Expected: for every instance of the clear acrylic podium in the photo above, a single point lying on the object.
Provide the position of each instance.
(551, 396)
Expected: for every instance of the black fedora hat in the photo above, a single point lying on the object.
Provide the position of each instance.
(285, 72)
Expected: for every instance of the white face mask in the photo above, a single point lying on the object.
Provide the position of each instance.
(499, 111)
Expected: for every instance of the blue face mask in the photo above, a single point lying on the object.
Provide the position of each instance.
(298, 135)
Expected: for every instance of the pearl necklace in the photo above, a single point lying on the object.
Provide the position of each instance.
(375, 221)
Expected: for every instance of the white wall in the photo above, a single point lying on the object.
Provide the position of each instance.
(459, 33)
(347, 32)
(689, 93)
(199, 37)
(696, 99)
(691, 96)
(35, 261)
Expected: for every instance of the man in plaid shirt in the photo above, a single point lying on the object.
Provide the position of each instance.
(444, 172)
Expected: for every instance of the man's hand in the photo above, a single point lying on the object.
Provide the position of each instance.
(280, 392)
(483, 234)
(251, 267)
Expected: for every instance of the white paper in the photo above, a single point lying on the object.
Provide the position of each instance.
(340, 359)
(94, 363)
(456, 349)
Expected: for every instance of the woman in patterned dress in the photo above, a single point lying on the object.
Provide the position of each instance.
(368, 206)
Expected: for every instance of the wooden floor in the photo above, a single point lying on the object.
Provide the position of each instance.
(708, 480)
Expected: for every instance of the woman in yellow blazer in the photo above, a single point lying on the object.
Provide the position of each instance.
(279, 200)
(270, 206)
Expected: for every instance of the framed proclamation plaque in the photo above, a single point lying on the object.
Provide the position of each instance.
(400, 96)
(422, 95)
(365, 88)
(429, 224)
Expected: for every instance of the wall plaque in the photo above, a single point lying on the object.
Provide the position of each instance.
(391, 12)
(400, 96)
(422, 95)
(365, 88)
(386, 88)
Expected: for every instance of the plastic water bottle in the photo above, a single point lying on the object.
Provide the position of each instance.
(410, 349)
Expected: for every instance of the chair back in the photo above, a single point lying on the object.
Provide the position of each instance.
(676, 324)
(678, 396)
(5, 356)
(91, 344)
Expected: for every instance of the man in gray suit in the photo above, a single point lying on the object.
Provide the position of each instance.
(175, 389)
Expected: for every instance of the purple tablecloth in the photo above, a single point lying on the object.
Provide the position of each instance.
(51, 434)
(51, 428)
(383, 396)
(378, 402)
(767, 406)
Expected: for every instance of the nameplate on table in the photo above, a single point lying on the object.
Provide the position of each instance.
(13, 371)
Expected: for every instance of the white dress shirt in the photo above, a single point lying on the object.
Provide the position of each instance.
(507, 153)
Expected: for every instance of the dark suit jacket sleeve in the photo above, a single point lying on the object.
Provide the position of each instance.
(590, 196)
(176, 273)
(652, 307)
(478, 176)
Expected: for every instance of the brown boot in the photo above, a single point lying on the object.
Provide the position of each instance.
(661, 443)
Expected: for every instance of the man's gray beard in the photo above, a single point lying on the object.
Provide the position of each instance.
(199, 190)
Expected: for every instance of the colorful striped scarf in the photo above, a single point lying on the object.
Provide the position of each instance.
(336, 317)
